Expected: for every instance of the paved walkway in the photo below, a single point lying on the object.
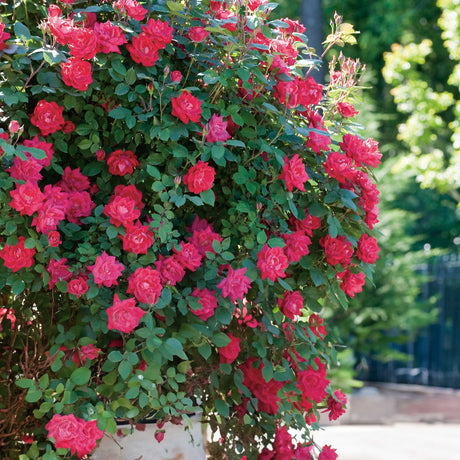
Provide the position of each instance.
(399, 441)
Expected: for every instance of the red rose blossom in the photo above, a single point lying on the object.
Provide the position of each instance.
(176, 76)
(27, 198)
(346, 109)
(351, 282)
(123, 315)
(54, 239)
(47, 117)
(76, 434)
(229, 353)
(132, 8)
(337, 250)
(199, 177)
(138, 238)
(18, 256)
(77, 73)
(122, 162)
(335, 405)
(78, 286)
(145, 284)
(327, 453)
(109, 37)
(143, 50)
(297, 245)
(160, 31)
(197, 34)
(368, 249)
(186, 107)
(83, 43)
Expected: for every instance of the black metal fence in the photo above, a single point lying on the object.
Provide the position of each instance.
(436, 350)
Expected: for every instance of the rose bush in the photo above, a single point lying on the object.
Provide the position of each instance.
(179, 201)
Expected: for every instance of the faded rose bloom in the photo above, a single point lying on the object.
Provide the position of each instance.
(208, 303)
(272, 262)
(189, 256)
(122, 162)
(197, 34)
(229, 353)
(106, 270)
(199, 177)
(291, 304)
(203, 239)
(77, 73)
(89, 352)
(236, 285)
(186, 107)
(123, 315)
(294, 173)
(58, 271)
(216, 129)
(73, 181)
(47, 117)
(18, 256)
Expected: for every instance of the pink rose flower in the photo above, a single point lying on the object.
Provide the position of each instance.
(346, 109)
(199, 177)
(327, 453)
(123, 315)
(83, 43)
(176, 76)
(189, 256)
(272, 262)
(236, 285)
(337, 250)
(109, 37)
(208, 303)
(78, 286)
(216, 129)
(294, 173)
(58, 271)
(160, 31)
(170, 269)
(122, 211)
(291, 304)
(106, 270)
(197, 34)
(351, 282)
(137, 238)
(143, 50)
(89, 352)
(132, 8)
(297, 245)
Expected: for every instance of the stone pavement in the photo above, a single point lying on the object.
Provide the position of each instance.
(399, 441)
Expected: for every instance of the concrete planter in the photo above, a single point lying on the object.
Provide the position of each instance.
(180, 442)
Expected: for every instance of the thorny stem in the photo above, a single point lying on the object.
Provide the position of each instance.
(32, 75)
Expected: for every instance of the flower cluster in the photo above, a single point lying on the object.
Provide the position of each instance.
(174, 217)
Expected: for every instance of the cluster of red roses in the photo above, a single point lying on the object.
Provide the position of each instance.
(127, 206)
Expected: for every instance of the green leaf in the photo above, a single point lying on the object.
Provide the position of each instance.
(208, 197)
(115, 356)
(317, 276)
(334, 226)
(175, 7)
(130, 77)
(221, 340)
(125, 369)
(33, 395)
(80, 376)
(25, 383)
(119, 113)
(21, 31)
(205, 350)
(222, 408)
